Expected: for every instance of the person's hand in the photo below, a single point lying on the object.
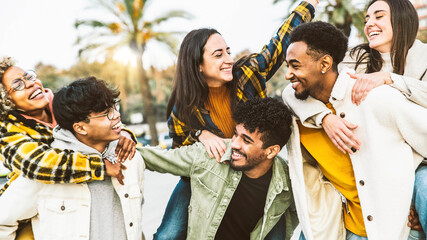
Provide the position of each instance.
(414, 221)
(366, 82)
(313, 2)
(340, 132)
(115, 170)
(214, 145)
(126, 147)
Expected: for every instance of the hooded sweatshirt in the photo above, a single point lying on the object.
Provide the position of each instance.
(106, 215)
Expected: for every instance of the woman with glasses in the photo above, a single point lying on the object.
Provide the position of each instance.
(26, 123)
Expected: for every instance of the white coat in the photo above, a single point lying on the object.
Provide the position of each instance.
(394, 135)
(62, 211)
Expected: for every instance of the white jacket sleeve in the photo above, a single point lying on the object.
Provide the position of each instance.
(17, 203)
(413, 89)
(310, 111)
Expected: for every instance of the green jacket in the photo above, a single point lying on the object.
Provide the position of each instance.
(213, 185)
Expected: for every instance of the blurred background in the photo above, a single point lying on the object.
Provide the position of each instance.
(132, 44)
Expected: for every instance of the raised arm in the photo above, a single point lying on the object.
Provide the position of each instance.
(272, 55)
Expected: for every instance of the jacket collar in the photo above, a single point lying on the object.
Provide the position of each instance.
(65, 139)
(343, 82)
(278, 178)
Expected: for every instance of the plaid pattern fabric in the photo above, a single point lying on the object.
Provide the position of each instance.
(252, 78)
(25, 150)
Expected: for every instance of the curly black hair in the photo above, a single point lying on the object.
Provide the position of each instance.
(267, 115)
(321, 38)
(74, 102)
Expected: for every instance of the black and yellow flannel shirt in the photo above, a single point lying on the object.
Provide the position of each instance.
(252, 77)
(25, 150)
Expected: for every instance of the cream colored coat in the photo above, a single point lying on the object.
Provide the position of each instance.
(311, 112)
(394, 135)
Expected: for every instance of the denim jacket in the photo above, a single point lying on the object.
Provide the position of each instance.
(213, 185)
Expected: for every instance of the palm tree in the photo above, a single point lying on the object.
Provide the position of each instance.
(129, 28)
(341, 13)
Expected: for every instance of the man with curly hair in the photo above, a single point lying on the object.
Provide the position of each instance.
(375, 182)
(246, 198)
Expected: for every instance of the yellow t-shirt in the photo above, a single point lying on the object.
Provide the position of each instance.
(337, 168)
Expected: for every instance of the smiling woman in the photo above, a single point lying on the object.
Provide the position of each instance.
(26, 123)
(208, 85)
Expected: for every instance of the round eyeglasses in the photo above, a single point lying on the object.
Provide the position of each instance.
(110, 111)
(19, 83)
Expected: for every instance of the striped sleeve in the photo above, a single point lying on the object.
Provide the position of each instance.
(36, 160)
(272, 55)
(179, 132)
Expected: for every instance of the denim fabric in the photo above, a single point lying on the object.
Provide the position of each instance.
(349, 236)
(416, 235)
(301, 237)
(175, 220)
(352, 236)
(419, 199)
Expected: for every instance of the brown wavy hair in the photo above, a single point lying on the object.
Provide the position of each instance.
(6, 104)
(404, 22)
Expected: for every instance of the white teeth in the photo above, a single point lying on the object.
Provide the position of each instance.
(236, 154)
(119, 124)
(373, 34)
(35, 93)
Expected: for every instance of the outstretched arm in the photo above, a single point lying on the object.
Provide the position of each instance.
(272, 55)
(177, 161)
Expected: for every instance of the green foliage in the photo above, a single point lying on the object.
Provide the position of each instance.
(422, 36)
(132, 29)
(52, 77)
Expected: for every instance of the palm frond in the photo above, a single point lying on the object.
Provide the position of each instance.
(172, 14)
(167, 39)
(90, 23)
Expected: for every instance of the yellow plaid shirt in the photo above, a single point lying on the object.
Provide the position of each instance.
(25, 150)
(252, 78)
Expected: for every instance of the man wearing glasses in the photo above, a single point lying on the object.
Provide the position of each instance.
(89, 122)
(26, 123)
